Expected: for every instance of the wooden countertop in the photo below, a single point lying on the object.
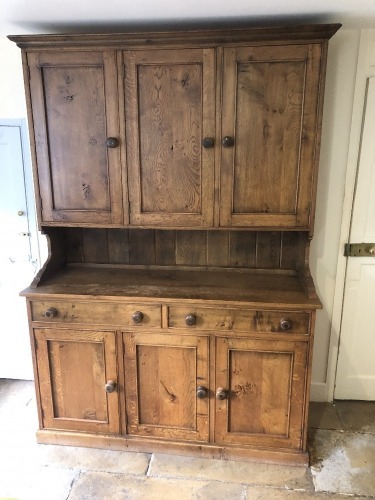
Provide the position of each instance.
(258, 288)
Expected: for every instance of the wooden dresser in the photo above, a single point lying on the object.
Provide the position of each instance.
(175, 178)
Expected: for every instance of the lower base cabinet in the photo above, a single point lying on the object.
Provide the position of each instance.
(224, 391)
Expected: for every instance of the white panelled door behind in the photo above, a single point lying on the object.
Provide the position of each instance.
(355, 378)
(16, 267)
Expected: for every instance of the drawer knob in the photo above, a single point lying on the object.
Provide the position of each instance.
(202, 392)
(110, 386)
(227, 141)
(208, 142)
(286, 324)
(191, 319)
(138, 317)
(221, 393)
(50, 313)
(112, 142)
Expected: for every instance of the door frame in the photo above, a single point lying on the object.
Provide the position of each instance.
(365, 70)
(35, 246)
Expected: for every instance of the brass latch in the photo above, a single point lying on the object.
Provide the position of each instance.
(359, 250)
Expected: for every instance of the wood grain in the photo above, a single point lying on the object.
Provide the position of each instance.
(169, 108)
(73, 114)
(265, 383)
(159, 404)
(72, 367)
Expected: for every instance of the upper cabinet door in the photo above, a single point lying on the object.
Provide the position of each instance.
(169, 110)
(75, 110)
(270, 133)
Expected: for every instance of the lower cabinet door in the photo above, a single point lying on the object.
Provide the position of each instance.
(166, 384)
(78, 379)
(260, 392)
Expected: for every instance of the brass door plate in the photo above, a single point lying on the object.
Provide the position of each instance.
(359, 250)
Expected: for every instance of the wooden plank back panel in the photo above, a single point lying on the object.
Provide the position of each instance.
(247, 249)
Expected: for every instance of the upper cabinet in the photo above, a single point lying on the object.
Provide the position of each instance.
(269, 135)
(169, 109)
(75, 114)
(178, 130)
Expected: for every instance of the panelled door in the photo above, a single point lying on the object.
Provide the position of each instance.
(355, 376)
(76, 124)
(170, 130)
(77, 373)
(260, 389)
(269, 126)
(166, 385)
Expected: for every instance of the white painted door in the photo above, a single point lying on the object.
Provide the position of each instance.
(16, 262)
(355, 378)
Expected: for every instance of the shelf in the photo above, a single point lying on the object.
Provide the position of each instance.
(276, 289)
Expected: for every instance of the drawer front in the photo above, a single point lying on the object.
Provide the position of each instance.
(241, 320)
(98, 313)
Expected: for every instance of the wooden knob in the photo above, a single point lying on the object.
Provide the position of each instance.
(208, 142)
(112, 142)
(138, 317)
(227, 142)
(221, 393)
(50, 313)
(110, 386)
(286, 324)
(202, 392)
(191, 319)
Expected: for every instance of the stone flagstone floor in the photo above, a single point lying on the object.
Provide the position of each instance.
(341, 443)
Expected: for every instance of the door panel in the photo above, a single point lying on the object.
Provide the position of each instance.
(73, 368)
(170, 107)
(264, 382)
(355, 376)
(162, 376)
(270, 97)
(16, 257)
(75, 111)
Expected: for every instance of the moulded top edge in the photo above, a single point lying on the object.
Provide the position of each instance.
(200, 35)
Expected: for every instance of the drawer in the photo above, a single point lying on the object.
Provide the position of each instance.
(97, 313)
(241, 320)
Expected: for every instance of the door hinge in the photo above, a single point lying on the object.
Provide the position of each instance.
(359, 250)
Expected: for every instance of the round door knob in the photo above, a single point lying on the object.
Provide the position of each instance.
(20, 213)
(202, 392)
(372, 251)
(138, 317)
(110, 386)
(227, 142)
(191, 319)
(286, 324)
(50, 313)
(208, 142)
(221, 393)
(112, 142)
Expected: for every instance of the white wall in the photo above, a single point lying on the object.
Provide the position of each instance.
(12, 95)
(341, 72)
(338, 107)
